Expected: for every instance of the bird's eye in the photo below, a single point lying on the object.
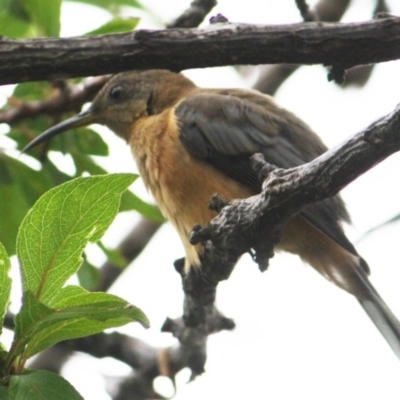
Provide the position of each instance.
(115, 92)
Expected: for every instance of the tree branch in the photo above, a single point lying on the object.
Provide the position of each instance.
(272, 76)
(305, 11)
(200, 315)
(256, 222)
(342, 45)
(194, 15)
(68, 98)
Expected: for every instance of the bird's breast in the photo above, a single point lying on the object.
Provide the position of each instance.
(181, 184)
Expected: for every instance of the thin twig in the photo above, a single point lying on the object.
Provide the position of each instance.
(305, 11)
(62, 101)
(194, 15)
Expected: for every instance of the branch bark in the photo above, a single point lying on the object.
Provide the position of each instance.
(272, 76)
(255, 223)
(338, 44)
(70, 99)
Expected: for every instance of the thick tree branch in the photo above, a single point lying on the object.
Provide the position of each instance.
(255, 223)
(342, 45)
(200, 315)
(272, 76)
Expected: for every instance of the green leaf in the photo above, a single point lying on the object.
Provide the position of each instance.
(41, 385)
(31, 91)
(15, 8)
(90, 142)
(75, 296)
(23, 133)
(4, 393)
(116, 25)
(114, 256)
(110, 4)
(89, 276)
(27, 320)
(13, 205)
(74, 313)
(45, 14)
(83, 140)
(130, 201)
(20, 187)
(84, 163)
(55, 231)
(14, 21)
(32, 183)
(12, 27)
(5, 283)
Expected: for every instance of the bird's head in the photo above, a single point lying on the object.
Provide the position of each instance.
(123, 100)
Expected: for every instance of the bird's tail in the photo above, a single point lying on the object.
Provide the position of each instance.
(380, 313)
(333, 256)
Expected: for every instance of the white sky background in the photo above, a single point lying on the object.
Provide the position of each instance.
(297, 335)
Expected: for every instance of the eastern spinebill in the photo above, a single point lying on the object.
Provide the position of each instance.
(190, 143)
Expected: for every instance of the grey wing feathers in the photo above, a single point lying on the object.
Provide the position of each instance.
(226, 130)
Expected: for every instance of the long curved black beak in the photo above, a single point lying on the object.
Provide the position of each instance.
(83, 119)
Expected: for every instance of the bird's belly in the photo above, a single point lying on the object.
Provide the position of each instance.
(184, 197)
(183, 190)
(181, 184)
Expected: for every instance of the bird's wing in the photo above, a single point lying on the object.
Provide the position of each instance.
(226, 128)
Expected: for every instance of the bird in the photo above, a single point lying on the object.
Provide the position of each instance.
(190, 143)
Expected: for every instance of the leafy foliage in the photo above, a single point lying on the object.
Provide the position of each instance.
(45, 14)
(52, 215)
(5, 283)
(50, 242)
(111, 4)
(20, 184)
(81, 209)
(116, 25)
(39, 385)
(29, 18)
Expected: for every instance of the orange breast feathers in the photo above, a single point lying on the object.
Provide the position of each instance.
(181, 184)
